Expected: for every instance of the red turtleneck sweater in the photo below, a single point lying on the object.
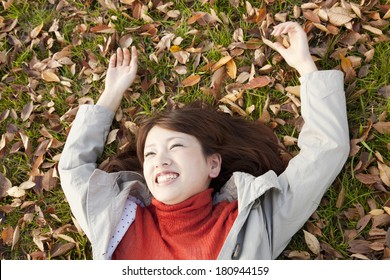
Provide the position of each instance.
(192, 229)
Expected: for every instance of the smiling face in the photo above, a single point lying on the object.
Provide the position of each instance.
(175, 167)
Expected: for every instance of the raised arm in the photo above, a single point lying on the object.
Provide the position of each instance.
(323, 143)
(87, 137)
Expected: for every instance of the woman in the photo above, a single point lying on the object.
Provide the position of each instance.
(251, 214)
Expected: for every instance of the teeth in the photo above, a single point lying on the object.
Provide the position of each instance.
(166, 178)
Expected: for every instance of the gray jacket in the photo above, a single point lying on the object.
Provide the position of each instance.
(271, 208)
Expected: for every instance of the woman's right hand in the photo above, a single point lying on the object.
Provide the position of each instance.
(120, 76)
(121, 71)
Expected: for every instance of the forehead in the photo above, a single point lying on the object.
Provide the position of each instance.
(159, 135)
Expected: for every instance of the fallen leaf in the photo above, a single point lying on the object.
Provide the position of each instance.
(16, 192)
(5, 185)
(372, 29)
(382, 127)
(50, 76)
(182, 56)
(258, 82)
(7, 235)
(112, 136)
(231, 69)
(27, 185)
(341, 198)
(376, 212)
(367, 179)
(299, 255)
(61, 249)
(384, 173)
(387, 209)
(27, 110)
(359, 246)
(35, 32)
(221, 63)
(296, 90)
(360, 256)
(385, 91)
(312, 242)
(190, 80)
(15, 237)
(338, 16)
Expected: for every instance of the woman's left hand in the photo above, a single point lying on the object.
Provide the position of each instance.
(297, 55)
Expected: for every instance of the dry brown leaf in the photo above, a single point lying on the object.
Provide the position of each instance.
(27, 185)
(16, 192)
(265, 116)
(341, 198)
(387, 209)
(294, 90)
(382, 127)
(195, 17)
(5, 185)
(312, 242)
(338, 16)
(372, 29)
(384, 173)
(258, 82)
(243, 77)
(359, 246)
(231, 69)
(7, 235)
(15, 237)
(299, 255)
(376, 212)
(49, 76)
(310, 15)
(385, 91)
(289, 140)
(61, 249)
(126, 41)
(367, 179)
(359, 256)
(190, 81)
(103, 28)
(221, 63)
(182, 56)
(112, 136)
(35, 32)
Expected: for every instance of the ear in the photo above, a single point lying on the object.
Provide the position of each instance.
(215, 162)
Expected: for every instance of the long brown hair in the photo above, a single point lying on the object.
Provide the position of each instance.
(246, 146)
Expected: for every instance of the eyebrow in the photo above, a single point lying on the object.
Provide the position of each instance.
(168, 139)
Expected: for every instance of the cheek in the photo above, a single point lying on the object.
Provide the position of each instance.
(147, 172)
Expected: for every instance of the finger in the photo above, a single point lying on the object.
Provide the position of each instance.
(285, 27)
(276, 46)
(134, 58)
(126, 57)
(112, 63)
(119, 57)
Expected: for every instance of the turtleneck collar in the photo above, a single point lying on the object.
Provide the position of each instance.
(184, 217)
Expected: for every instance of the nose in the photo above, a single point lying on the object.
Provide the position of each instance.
(162, 161)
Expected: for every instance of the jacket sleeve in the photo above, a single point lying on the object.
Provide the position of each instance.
(83, 146)
(324, 148)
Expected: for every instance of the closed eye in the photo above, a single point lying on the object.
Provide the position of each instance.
(175, 146)
(149, 154)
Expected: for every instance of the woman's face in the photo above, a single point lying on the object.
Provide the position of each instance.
(175, 167)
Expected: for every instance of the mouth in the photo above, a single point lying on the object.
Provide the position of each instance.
(163, 178)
